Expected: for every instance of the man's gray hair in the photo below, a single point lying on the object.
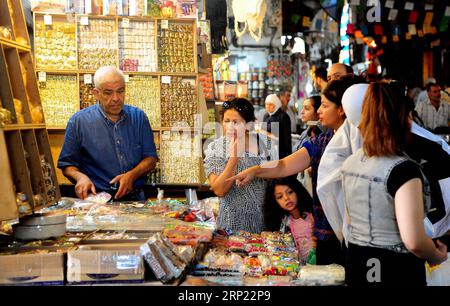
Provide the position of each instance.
(105, 72)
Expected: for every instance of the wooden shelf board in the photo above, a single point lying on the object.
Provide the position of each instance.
(14, 127)
(54, 71)
(56, 128)
(13, 44)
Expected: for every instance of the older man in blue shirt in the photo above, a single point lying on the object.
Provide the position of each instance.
(109, 142)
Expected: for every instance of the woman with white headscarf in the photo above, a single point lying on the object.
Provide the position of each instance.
(278, 123)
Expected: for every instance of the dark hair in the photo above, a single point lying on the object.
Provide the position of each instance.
(273, 213)
(429, 85)
(348, 69)
(321, 73)
(384, 125)
(317, 100)
(242, 106)
(336, 88)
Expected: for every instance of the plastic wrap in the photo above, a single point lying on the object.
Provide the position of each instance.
(328, 275)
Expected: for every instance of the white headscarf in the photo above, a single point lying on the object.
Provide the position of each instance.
(344, 143)
(273, 99)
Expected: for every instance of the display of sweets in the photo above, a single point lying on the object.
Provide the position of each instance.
(137, 51)
(206, 79)
(97, 44)
(48, 175)
(180, 158)
(86, 95)
(55, 46)
(143, 92)
(154, 176)
(176, 47)
(178, 101)
(58, 107)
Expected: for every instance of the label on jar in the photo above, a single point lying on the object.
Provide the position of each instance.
(84, 20)
(87, 79)
(125, 23)
(164, 24)
(165, 79)
(48, 19)
(42, 75)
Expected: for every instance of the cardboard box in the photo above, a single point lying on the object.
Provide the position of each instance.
(105, 264)
(32, 269)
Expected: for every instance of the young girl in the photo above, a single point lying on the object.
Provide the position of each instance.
(288, 207)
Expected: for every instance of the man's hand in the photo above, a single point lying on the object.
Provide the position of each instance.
(83, 186)
(126, 181)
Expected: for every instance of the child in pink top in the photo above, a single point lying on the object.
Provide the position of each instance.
(288, 206)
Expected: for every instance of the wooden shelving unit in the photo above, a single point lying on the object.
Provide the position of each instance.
(26, 164)
(74, 24)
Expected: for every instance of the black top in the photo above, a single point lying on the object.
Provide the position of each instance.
(435, 165)
(402, 173)
(284, 133)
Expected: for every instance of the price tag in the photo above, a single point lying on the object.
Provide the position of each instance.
(409, 6)
(84, 20)
(88, 79)
(42, 75)
(428, 7)
(165, 79)
(125, 23)
(164, 24)
(48, 19)
(389, 4)
(447, 11)
(127, 78)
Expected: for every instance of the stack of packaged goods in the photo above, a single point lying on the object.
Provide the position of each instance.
(171, 254)
(206, 79)
(270, 257)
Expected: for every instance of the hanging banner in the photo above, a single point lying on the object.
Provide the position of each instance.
(389, 4)
(350, 29)
(443, 26)
(392, 14)
(413, 17)
(364, 29)
(412, 29)
(409, 6)
(378, 29)
(428, 18)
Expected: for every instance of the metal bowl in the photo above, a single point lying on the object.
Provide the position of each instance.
(40, 227)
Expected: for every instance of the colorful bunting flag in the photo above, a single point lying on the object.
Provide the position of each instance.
(413, 17)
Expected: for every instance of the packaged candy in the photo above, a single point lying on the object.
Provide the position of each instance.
(101, 198)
